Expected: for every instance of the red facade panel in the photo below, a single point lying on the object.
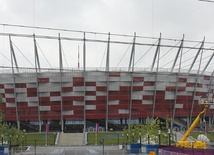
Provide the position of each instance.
(199, 85)
(184, 98)
(56, 108)
(43, 80)
(31, 92)
(125, 88)
(101, 98)
(148, 83)
(202, 94)
(138, 79)
(10, 100)
(190, 84)
(173, 88)
(44, 99)
(148, 97)
(137, 88)
(1, 86)
(78, 81)
(90, 93)
(20, 85)
(55, 94)
(90, 83)
(67, 89)
(114, 74)
(9, 90)
(182, 80)
(101, 88)
(206, 77)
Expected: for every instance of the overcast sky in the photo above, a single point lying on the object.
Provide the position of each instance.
(171, 18)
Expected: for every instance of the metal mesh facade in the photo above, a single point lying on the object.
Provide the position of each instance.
(52, 95)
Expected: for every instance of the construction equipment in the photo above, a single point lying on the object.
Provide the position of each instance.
(193, 144)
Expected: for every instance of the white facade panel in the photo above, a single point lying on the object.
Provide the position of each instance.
(21, 97)
(116, 79)
(44, 94)
(147, 93)
(90, 98)
(147, 101)
(8, 85)
(10, 104)
(78, 103)
(152, 88)
(20, 90)
(90, 88)
(113, 102)
(68, 112)
(67, 84)
(136, 97)
(78, 88)
(178, 106)
(149, 79)
(101, 83)
(32, 99)
(101, 93)
(2, 91)
(55, 98)
(9, 95)
(31, 85)
(33, 104)
(123, 111)
(78, 93)
(44, 108)
(90, 107)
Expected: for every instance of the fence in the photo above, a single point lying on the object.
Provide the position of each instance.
(186, 151)
(163, 152)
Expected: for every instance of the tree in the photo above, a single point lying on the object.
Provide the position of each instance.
(7, 133)
(148, 132)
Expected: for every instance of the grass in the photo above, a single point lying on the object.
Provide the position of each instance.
(110, 138)
(210, 135)
(39, 139)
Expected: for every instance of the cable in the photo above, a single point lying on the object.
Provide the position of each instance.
(146, 52)
(124, 54)
(43, 54)
(5, 57)
(103, 56)
(64, 56)
(91, 32)
(23, 54)
(206, 1)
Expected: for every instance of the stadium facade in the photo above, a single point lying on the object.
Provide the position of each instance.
(108, 97)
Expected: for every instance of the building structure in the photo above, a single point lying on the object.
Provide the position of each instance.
(109, 96)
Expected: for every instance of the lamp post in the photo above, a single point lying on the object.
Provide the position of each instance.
(169, 137)
(103, 145)
(127, 138)
(22, 143)
(35, 146)
(140, 141)
(10, 145)
(205, 130)
(148, 139)
(17, 136)
(118, 138)
(133, 137)
(159, 137)
(2, 139)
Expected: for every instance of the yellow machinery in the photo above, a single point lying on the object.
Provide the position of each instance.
(193, 144)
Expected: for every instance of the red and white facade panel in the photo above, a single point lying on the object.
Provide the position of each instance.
(54, 94)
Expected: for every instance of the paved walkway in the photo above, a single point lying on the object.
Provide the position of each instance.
(74, 150)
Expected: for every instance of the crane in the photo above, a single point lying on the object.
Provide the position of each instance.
(193, 144)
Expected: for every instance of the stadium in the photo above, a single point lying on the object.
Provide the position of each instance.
(112, 79)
